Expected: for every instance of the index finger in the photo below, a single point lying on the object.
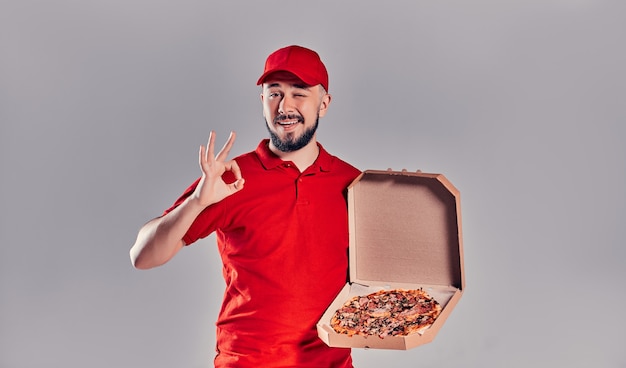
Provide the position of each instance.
(233, 167)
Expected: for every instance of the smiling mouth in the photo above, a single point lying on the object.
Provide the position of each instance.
(289, 120)
(288, 123)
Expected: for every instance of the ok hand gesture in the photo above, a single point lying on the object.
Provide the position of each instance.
(212, 188)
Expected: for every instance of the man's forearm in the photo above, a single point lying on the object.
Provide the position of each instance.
(161, 238)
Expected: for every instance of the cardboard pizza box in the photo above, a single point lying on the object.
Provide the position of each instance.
(405, 232)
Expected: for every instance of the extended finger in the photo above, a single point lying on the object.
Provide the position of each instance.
(201, 156)
(221, 156)
(210, 147)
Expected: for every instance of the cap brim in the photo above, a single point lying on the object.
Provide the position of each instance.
(302, 76)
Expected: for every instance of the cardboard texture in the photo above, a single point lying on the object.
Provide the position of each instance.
(405, 232)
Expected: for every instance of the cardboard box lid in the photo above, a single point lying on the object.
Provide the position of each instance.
(405, 227)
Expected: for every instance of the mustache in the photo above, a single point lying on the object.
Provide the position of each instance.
(281, 117)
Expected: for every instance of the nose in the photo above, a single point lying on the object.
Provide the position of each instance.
(286, 105)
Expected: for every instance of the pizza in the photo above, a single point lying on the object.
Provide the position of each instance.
(395, 312)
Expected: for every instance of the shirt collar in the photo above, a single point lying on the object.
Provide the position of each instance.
(270, 161)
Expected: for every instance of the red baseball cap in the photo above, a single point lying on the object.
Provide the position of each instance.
(302, 62)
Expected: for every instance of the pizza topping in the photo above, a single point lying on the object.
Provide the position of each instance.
(387, 313)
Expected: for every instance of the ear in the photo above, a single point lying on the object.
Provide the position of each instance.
(324, 104)
(262, 101)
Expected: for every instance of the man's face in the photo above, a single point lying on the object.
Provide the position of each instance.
(291, 110)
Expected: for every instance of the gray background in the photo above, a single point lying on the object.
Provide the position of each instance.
(519, 103)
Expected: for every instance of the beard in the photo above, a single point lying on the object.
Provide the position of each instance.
(291, 142)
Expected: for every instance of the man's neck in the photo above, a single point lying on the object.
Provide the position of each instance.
(302, 158)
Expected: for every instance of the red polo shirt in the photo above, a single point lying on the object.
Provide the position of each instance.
(283, 241)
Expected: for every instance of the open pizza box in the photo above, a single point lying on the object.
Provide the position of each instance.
(405, 232)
